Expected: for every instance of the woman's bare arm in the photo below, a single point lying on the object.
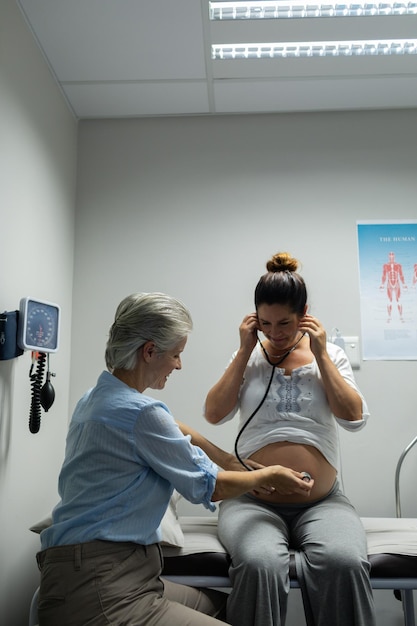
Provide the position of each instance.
(223, 396)
(231, 483)
(344, 401)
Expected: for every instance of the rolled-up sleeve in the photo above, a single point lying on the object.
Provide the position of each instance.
(344, 367)
(162, 446)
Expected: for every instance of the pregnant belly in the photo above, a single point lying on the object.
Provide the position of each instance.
(301, 458)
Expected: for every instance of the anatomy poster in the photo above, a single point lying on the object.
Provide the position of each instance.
(388, 281)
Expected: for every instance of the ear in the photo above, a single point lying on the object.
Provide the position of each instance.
(148, 350)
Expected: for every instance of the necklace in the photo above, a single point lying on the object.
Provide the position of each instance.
(281, 357)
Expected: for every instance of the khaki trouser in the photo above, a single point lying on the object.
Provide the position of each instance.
(101, 583)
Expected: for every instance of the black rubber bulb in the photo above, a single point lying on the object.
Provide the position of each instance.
(47, 394)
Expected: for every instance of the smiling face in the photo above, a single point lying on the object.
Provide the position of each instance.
(163, 363)
(279, 324)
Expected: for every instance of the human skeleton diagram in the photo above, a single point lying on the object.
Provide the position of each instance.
(392, 275)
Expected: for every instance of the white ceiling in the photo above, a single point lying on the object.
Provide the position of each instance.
(133, 58)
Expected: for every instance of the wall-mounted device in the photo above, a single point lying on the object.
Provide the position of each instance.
(9, 349)
(38, 325)
(38, 331)
(352, 350)
(350, 345)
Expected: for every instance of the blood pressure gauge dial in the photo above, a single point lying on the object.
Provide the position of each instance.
(38, 325)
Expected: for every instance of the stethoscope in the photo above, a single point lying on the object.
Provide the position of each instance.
(252, 415)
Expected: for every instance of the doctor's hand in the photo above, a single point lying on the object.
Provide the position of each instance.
(253, 465)
(290, 482)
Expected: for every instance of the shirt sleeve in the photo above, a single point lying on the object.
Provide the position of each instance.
(340, 359)
(162, 446)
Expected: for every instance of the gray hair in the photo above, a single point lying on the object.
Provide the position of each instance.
(143, 317)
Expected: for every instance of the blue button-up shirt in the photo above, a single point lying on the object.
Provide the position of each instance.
(124, 456)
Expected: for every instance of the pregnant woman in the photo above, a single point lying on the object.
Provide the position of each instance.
(291, 389)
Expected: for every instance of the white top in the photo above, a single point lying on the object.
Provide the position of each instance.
(296, 408)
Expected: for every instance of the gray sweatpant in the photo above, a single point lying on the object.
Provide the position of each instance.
(101, 583)
(331, 561)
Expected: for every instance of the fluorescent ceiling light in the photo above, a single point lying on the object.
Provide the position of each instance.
(385, 47)
(272, 9)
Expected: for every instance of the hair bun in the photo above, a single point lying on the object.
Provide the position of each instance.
(282, 262)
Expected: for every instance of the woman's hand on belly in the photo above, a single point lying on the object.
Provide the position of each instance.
(301, 458)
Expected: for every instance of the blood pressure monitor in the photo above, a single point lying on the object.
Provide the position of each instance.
(38, 325)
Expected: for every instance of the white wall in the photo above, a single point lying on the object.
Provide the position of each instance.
(37, 191)
(194, 207)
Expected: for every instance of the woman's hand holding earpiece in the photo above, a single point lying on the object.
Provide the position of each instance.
(312, 326)
(248, 332)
